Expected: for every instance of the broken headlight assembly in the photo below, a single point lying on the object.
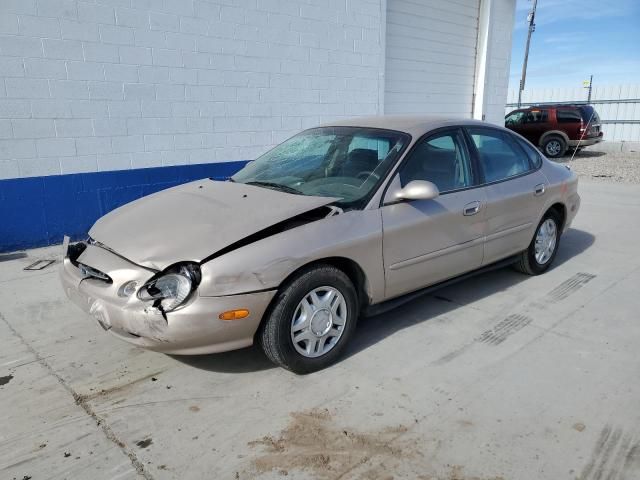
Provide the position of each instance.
(171, 288)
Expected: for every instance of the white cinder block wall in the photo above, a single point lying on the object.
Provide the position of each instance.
(96, 85)
(116, 84)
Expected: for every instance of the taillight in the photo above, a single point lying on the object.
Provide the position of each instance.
(582, 126)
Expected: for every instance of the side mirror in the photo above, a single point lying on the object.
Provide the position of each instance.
(418, 190)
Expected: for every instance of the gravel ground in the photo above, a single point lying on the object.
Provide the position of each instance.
(605, 167)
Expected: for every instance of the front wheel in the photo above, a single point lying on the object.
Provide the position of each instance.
(543, 248)
(311, 320)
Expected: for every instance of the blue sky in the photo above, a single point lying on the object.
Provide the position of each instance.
(576, 38)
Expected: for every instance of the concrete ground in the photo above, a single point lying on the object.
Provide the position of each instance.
(499, 377)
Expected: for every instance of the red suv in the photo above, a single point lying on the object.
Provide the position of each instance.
(556, 128)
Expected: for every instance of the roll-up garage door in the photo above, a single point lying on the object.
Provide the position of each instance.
(430, 56)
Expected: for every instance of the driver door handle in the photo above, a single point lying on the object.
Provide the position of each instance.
(471, 208)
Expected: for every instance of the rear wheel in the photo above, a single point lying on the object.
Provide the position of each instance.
(311, 320)
(543, 248)
(554, 146)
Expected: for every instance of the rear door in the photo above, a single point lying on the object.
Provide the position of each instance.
(427, 241)
(515, 190)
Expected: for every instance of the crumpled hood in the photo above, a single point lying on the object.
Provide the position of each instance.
(195, 220)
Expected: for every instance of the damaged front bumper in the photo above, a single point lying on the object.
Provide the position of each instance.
(192, 329)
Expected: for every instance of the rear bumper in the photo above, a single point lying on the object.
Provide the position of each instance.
(585, 142)
(190, 330)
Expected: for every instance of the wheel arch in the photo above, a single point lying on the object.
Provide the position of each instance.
(551, 133)
(561, 210)
(350, 267)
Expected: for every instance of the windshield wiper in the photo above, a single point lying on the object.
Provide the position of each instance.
(276, 186)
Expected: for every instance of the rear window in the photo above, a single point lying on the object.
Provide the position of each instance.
(499, 156)
(568, 115)
(589, 114)
(532, 153)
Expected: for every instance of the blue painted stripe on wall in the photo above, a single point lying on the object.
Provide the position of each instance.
(38, 211)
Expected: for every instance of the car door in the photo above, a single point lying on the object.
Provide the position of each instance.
(428, 241)
(515, 191)
(536, 122)
(515, 120)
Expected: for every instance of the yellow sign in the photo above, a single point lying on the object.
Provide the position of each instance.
(586, 83)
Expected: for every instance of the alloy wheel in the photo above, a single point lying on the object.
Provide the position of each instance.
(546, 239)
(553, 148)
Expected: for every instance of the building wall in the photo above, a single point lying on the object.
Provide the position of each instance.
(121, 84)
(448, 58)
(103, 101)
(93, 93)
(498, 59)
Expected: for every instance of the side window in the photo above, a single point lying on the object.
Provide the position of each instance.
(536, 116)
(514, 118)
(442, 159)
(499, 156)
(532, 153)
(568, 116)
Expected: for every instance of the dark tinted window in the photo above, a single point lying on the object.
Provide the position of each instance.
(532, 153)
(536, 116)
(499, 155)
(441, 159)
(589, 114)
(568, 116)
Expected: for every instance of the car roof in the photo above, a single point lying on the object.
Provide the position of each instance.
(555, 105)
(416, 125)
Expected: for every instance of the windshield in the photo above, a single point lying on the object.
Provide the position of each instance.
(343, 162)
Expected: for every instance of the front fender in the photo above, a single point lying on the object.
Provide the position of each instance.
(266, 263)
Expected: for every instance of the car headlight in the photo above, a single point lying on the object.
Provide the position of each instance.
(171, 288)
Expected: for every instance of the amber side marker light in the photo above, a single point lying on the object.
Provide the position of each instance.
(234, 314)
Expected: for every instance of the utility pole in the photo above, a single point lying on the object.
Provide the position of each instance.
(590, 84)
(531, 18)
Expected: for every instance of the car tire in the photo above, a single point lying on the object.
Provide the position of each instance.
(289, 312)
(554, 146)
(530, 261)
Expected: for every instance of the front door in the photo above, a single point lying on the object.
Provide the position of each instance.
(536, 123)
(428, 241)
